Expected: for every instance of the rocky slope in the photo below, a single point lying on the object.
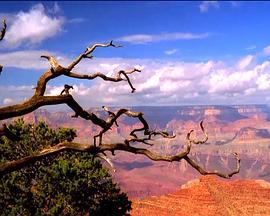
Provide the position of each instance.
(209, 196)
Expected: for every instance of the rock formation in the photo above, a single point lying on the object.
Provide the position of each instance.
(209, 196)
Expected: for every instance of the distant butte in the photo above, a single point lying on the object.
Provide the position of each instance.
(209, 196)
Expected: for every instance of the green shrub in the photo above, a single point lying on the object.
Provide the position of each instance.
(70, 183)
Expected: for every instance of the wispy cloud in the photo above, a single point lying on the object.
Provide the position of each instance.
(252, 47)
(29, 59)
(266, 50)
(148, 38)
(205, 5)
(171, 51)
(244, 62)
(32, 27)
(8, 101)
(11, 94)
(75, 20)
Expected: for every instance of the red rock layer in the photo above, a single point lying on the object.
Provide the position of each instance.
(209, 196)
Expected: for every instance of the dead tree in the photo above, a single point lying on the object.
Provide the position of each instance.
(2, 35)
(3, 30)
(98, 148)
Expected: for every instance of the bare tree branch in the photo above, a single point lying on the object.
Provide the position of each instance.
(11, 166)
(58, 70)
(99, 151)
(89, 51)
(107, 159)
(32, 104)
(55, 66)
(2, 35)
(205, 135)
(3, 30)
(118, 77)
(195, 165)
(114, 116)
(39, 99)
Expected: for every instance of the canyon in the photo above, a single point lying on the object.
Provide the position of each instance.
(244, 129)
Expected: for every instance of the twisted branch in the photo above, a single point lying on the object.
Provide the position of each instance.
(55, 66)
(88, 51)
(205, 135)
(118, 77)
(107, 159)
(2, 35)
(99, 151)
(38, 100)
(114, 116)
(11, 166)
(3, 30)
(201, 170)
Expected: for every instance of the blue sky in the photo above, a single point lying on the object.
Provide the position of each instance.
(190, 52)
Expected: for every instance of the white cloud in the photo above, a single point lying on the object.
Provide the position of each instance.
(244, 62)
(11, 94)
(171, 52)
(160, 82)
(8, 101)
(168, 86)
(263, 82)
(54, 90)
(224, 82)
(32, 27)
(250, 91)
(262, 68)
(13, 88)
(78, 90)
(24, 59)
(147, 38)
(205, 5)
(266, 50)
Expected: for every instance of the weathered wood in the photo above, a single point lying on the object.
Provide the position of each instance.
(39, 99)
